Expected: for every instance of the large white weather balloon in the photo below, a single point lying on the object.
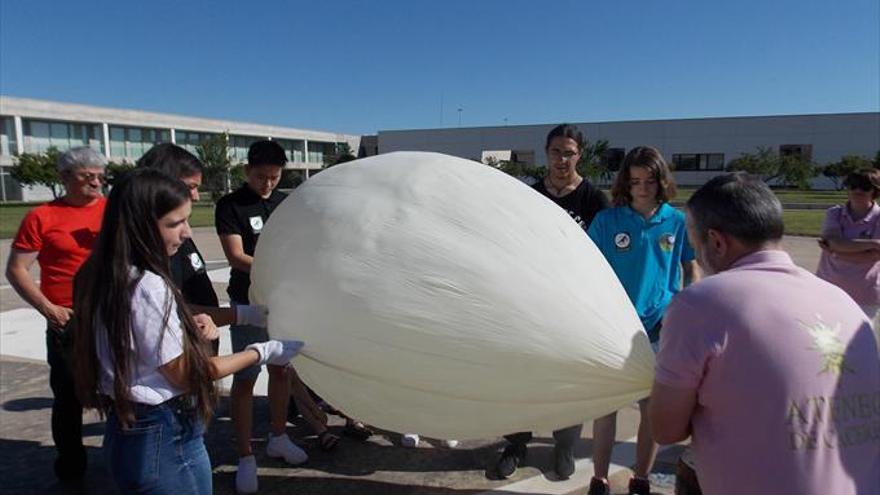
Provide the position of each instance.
(440, 296)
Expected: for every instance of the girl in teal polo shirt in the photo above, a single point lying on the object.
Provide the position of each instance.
(645, 241)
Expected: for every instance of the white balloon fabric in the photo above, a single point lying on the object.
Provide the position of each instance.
(440, 296)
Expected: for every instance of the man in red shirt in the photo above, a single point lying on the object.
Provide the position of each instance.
(59, 236)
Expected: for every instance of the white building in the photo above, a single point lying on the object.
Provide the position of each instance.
(32, 126)
(698, 148)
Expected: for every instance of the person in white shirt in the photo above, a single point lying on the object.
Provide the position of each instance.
(142, 358)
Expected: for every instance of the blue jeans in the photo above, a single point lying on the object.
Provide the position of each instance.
(161, 453)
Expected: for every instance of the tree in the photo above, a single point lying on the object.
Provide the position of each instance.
(837, 171)
(519, 170)
(38, 169)
(593, 162)
(341, 154)
(769, 166)
(214, 154)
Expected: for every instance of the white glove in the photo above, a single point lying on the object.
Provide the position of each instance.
(251, 314)
(277, 352)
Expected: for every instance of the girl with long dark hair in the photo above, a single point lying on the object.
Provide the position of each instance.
(140, 358)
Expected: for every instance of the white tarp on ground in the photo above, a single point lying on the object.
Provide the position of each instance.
(440, 296)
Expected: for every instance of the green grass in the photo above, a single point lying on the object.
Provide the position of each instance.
(11, 215)
(789, 196)
(797, 222)
(803, 222)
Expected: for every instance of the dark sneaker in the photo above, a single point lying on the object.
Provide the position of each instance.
(639, 486)
(598, 487)
(511, 458)
(564, 465)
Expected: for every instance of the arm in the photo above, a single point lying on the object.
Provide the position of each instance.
(221, 366)
(18, 273)
(670, 410)
(233, 248)
(866, 257)
(240, 314)
(839, 245)
(691, 272)
(221, 316)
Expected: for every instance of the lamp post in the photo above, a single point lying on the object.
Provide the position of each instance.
(459, 116)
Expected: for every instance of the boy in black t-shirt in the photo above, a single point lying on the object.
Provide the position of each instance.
(239, 219)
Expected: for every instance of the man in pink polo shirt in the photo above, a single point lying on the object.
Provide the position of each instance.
(774, 372)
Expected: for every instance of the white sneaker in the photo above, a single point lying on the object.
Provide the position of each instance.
(281, 446)
(409, 440)
(246, 476)
(451, 443)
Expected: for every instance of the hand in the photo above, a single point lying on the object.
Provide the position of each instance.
(58, 316)
(252, 314)
(207, 329)
(277, 352)
(823, 244)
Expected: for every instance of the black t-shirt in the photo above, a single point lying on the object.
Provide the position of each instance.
(243, 212)
(582, 204)
(190, 276)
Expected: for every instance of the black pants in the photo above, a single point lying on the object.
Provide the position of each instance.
(66, 408)
(565, 437)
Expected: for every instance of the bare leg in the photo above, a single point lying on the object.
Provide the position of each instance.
(242, 398)
(279, 395)
(604, 431)
(646, 449)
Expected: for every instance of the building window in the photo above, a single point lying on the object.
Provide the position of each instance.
(293, 149)
(318, 151)
(613, 158)
(10, 189)
(239, 146)
(190, 141)
(7, 136)
(801, 151)
(132, 142)
(39, 135)
(698, 161)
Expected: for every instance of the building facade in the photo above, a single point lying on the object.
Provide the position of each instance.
(32, 126)
(698, 149)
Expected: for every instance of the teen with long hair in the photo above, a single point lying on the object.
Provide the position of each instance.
(140, 357)
(645, 241)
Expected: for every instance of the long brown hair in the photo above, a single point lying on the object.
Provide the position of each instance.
(104, 286)
(651, 159)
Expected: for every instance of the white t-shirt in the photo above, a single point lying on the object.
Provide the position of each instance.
(150, 302)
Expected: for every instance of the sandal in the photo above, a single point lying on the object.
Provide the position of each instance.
(327, 441)
(357, 430)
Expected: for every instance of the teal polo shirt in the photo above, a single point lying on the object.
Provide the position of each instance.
(646, 255)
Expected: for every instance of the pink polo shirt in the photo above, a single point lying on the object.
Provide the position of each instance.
(860, 280)
(787, 375)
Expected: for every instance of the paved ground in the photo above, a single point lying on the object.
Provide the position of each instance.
(378, 466)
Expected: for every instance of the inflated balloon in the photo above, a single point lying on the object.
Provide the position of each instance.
(441, 296)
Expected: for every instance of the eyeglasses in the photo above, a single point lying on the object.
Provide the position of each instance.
(88, 177)
(562, 155)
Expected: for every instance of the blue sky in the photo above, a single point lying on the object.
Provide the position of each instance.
(364, 66)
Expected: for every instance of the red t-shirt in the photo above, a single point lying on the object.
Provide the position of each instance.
(63, 235)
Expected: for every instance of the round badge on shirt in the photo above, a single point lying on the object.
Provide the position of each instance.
(256, 224)
(196, 261)
(667, 242)
(622, 240)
